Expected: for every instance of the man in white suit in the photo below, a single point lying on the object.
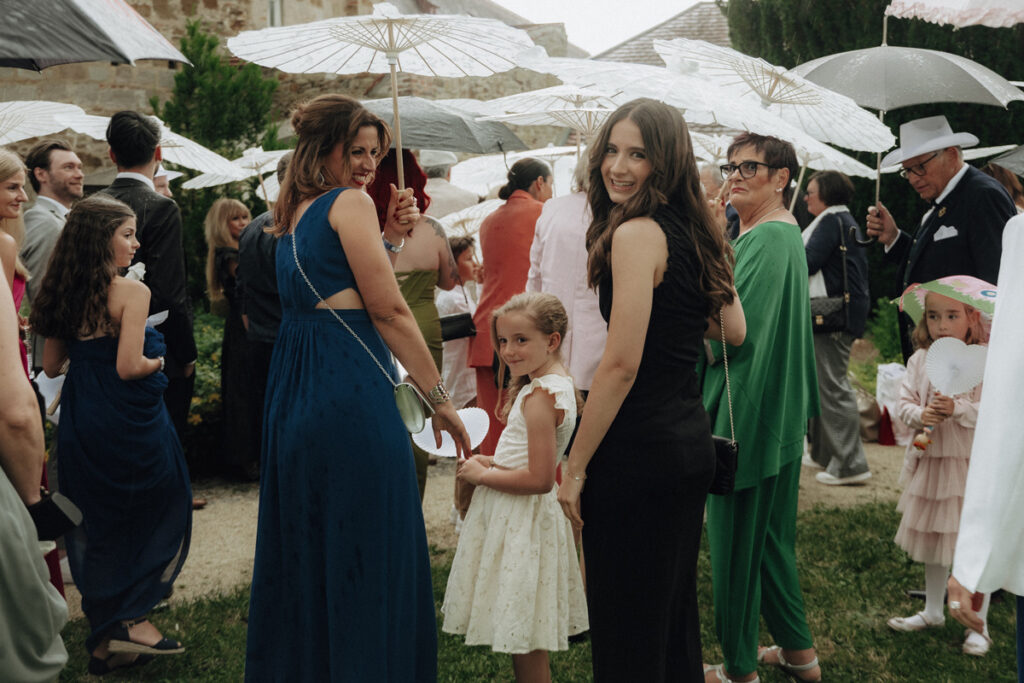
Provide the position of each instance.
(55, 172)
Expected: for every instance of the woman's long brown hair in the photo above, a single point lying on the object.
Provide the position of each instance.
(674, 181)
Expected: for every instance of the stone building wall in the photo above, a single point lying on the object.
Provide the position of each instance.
(103, 89)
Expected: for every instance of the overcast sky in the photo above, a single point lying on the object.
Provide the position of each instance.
(596, 25)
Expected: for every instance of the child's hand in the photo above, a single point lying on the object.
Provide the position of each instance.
(937, 410)
(473, 469)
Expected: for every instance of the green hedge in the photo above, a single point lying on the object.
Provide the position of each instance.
(205, 420)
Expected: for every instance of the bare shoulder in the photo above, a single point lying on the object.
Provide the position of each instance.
(352, 199)
(638, 231)
(123, 289)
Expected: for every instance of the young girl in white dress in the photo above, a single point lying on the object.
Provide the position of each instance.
(934, 478)
(515, 581)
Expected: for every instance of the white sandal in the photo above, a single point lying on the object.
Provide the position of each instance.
(719, 671)
(916, 622)
(791, 670)
(978, 645)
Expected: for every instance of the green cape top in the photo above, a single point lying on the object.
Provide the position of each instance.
(773, 376)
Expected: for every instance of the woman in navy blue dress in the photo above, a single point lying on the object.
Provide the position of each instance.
(341, 587)
(120, 459)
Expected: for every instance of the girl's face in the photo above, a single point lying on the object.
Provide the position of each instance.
(363, 156)
(467, 265)
(525, 349)
(12, 195)
(948, 318)
(814, 204)
(124, 244)
(625, 167)
(236, 222)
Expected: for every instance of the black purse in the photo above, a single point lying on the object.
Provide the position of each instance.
(727, 451)
(458, 325)
(832, 313)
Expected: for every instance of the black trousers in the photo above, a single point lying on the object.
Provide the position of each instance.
(643, 512)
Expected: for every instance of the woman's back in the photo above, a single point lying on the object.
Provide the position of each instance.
(666, 390)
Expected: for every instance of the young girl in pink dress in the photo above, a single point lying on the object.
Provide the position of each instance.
(515, 581)
(934, 478)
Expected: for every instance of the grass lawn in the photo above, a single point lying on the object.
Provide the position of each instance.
(854, 578)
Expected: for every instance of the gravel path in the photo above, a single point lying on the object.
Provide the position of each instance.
(224, 533)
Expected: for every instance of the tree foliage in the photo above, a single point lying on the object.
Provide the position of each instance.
(791, 32)
(226, 108)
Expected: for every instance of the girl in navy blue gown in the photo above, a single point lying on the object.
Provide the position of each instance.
(341, 586)
(120, 459)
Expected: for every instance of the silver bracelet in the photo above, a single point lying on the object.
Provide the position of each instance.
(439, 394)
(162, 362)
(393, 248)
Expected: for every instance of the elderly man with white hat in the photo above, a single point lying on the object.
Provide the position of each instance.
(961, 233)
(445, 198)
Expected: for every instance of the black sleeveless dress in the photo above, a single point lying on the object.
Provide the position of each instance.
(643, 503)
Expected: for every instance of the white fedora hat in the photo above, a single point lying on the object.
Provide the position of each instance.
(432, 158)
(926, 135)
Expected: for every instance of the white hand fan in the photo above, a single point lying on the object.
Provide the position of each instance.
(954, 367)
(476, 421)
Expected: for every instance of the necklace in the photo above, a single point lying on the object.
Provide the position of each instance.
(762, 219)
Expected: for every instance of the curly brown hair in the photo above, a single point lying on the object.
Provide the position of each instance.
(72, 298)
(674, 180)
(321, 124)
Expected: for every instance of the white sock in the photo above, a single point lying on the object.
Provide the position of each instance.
(935, 577)
(983, 612)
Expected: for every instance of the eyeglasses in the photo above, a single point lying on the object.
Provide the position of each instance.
(917, 169)
(747, 169)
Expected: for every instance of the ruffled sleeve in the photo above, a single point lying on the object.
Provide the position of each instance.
(558, 386)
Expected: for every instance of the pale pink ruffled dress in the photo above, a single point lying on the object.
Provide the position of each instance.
(933, 479)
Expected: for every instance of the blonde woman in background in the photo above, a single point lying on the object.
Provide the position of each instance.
(241, 452)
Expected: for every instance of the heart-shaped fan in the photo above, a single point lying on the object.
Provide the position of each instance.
(954, 367)
(477, 423)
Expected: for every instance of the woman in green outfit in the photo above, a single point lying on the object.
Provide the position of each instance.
(752, 531)
(422, 261)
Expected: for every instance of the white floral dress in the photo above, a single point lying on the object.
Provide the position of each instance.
(515, 581)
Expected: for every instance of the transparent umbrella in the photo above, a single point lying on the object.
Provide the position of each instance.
(23, 119)
(388, 42)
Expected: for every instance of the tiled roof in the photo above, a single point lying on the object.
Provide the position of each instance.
(703, 21)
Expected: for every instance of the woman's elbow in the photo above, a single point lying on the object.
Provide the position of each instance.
(128, 371)
(622, 370)
(736, 334)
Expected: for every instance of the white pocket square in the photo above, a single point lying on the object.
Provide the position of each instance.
(945, 232)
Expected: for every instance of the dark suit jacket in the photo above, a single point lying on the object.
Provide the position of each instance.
(160, 248)
(257, 279)
(969, 226)
(824, 254)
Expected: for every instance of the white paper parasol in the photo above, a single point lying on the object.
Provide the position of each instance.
(387, 42)
(960, 13)
(23, 119)
(823, 114)
(176, 148)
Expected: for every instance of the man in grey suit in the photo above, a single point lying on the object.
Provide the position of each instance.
(55, 172)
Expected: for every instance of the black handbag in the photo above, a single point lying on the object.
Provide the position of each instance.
(458, 325)
(727, 451)
(832, 313)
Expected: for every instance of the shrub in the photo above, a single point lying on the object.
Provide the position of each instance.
(206, 418)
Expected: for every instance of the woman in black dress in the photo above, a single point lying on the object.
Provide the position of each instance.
(223, 225)
(644, 445)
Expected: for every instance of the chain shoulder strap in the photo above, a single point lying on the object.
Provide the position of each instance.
(295, 253)
(728, 386)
